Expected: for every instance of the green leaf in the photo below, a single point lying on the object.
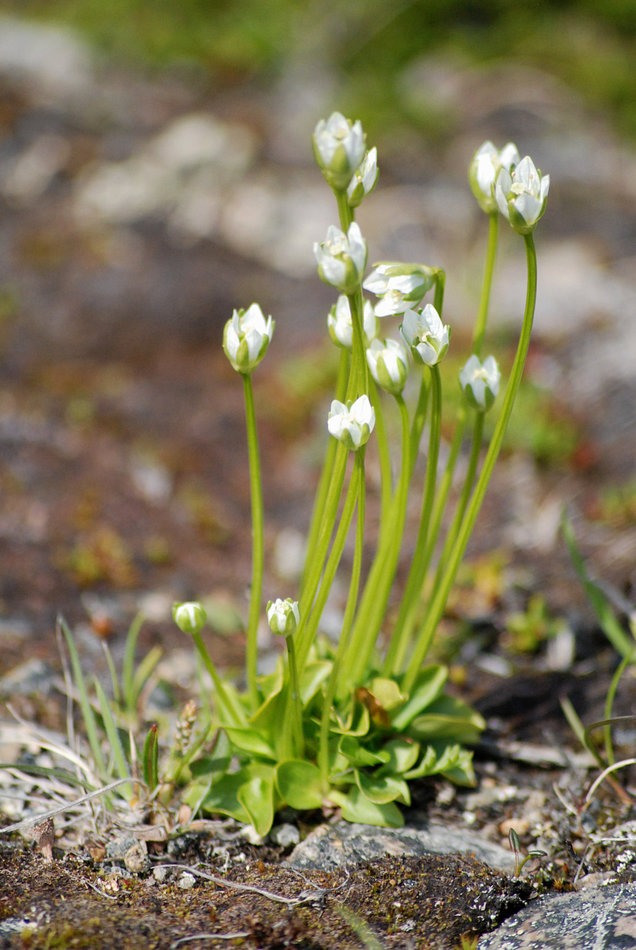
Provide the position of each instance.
(88, 715)
(358, 756)
(112, 733)
(608, 620)
(251, 741)
(312, 678)
(353, 726)
(381, 789)
(448, 718)
(299, 784)
(150, 757)
(222, 797)
(403, 754)
(387, 693)
(427, 687)
(256, 795)
(356, 807)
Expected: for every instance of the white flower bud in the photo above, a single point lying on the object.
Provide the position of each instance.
(364, 179)
(246, 336)
(399, 286)
(480, 382)
(189, 617)
(522, 194)
(283, 616)
(339, 149)
(351, 423)
(425, 335)
(389, 364)
(342, 258)
(483, 171)
(340, 326)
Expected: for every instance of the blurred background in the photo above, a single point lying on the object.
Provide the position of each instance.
(156, 171)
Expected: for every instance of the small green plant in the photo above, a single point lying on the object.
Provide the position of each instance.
(351, 724)
(625, 645)
(346, 725)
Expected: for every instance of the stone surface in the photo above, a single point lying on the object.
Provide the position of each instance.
(601, 918)
(333, 846)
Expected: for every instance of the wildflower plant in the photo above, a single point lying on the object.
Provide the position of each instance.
(350, 724)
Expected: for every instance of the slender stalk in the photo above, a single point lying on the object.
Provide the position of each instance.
(384, 455)
(256, 490)
(310, 618)
(440, 596)
(419, 418)
(294, 705)
(462, 504)
(326, 476)
(410, 600)
(352, 597)
(226, 701)
(484, 301)
(377, 588)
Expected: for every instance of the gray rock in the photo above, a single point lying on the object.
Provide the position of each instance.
(600, 918)
(343, 843)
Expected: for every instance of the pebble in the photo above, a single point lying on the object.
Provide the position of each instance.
(285, 835)
(602, 918)
(187, 881)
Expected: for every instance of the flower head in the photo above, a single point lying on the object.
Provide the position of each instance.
(189, 617)
(283, 616)
(399, 286)
(485, 167)
(480, 382)
(339, 149)
(351, 423)
(246, 337)
(522, 194)
(389, 364)
(425, 334)
(342, 258)
(340, 326)
(364, 178)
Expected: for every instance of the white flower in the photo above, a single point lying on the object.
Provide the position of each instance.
(364, 179)
(389, 364)
(522, 194)
(480, 382)
(425, 334)
(340, 326)
(283, 616)
(351, 423)
(484, 169)
(189, 617)
(339, 149)
(246, 337)
(399, 286)
(342, 258)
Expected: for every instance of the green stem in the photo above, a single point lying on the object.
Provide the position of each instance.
(462, 504)
(256, 490)
(310, 617)
(410, 601)
(326, 476)
(419, 418)
(294, 705)
(377, 588)
(226, 701)
(354, 584)
(440, 596)
(384, 455)
(484, 302)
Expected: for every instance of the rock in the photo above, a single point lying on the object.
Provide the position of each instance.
(602, 918)
(285, 835)
(187, 881)
(344, 843)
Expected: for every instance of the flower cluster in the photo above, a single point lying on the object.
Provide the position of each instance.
(500, 180)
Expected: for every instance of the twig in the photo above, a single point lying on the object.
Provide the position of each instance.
(240, 933)
(248, 888)
(36, 819)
